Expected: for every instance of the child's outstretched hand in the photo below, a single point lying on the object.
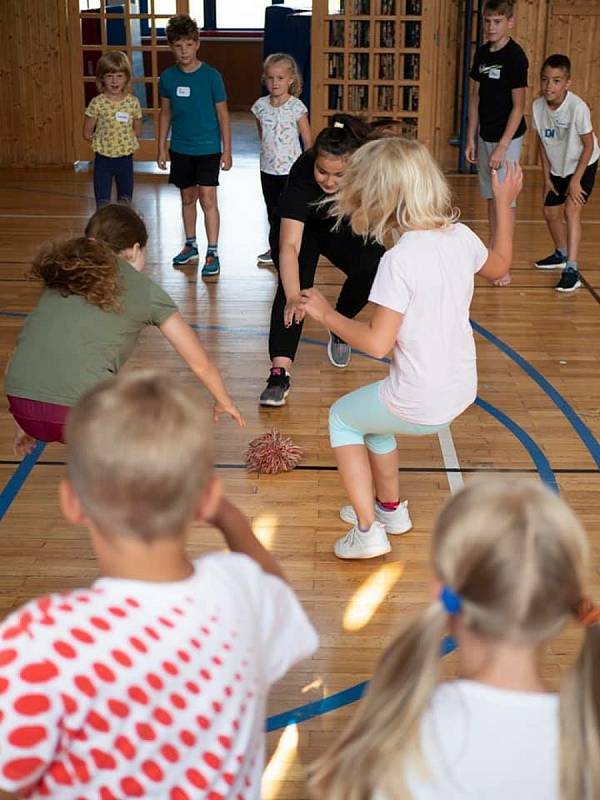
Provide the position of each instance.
(314, 304)
(508, 190)
(232, 410)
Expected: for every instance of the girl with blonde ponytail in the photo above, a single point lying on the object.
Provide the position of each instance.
(509, 559)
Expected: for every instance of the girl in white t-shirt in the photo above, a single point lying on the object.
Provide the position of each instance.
(509, 559)
(282, 120)
(422, 291)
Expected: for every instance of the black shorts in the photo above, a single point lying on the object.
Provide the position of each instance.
(187, 171)
(562, 184)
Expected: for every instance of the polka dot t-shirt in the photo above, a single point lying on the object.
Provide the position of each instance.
(134, 689)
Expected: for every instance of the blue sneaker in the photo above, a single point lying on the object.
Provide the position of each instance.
(211, 267)
(187, 255)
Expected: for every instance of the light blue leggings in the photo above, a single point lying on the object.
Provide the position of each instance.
(361, 417)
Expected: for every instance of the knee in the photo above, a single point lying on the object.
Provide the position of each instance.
(208, 201)
(572, 210)
(189, 199)
(551, 213)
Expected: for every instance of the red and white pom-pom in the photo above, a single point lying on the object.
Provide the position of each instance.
(272, 453)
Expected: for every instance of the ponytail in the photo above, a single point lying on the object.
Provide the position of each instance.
(81, 266)
(343, 136)
(384, 733)
(580, 717)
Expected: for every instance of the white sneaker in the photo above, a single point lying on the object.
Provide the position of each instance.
(359, 544)
(394, 522)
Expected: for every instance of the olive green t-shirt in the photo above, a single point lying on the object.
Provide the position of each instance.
(68, 345)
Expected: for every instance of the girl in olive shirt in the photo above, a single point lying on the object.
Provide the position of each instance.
(95, 303)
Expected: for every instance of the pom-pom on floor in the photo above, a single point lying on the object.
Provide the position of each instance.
(272, 453)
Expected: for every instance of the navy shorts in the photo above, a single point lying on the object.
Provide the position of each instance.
(561, 185)
(187, 171)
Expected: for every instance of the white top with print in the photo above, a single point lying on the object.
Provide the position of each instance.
(280, 142)
(153, 690)
(561, 129)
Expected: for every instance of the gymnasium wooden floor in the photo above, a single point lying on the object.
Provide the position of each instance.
(538, 413)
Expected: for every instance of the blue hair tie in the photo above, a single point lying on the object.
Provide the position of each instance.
(450, 600)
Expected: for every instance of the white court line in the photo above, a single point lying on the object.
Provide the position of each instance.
(455, 479)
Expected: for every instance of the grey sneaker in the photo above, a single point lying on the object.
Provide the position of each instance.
(277, 389)
(338, 351)
(265, 258)
(394, 522)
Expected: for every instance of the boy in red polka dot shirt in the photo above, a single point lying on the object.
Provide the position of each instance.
(152, 682)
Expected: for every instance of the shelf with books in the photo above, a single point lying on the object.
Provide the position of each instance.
(371, 57)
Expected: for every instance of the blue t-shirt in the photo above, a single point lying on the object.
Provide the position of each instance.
(194, 123)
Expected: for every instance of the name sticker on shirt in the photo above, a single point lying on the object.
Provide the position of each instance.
(183, 91)
(494, 73)
(122, 116)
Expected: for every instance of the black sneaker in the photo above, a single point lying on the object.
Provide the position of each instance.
(555, 261)
(339, 351)
(278, 388)
(569, 281)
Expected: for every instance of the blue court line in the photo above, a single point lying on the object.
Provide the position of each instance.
(582, 430)
(354, 693)
(334, 701)
(539, 459)
(18, 478)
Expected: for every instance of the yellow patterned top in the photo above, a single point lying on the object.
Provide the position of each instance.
(114, 136)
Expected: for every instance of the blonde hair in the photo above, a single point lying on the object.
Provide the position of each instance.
(113, 61)
(393, 185)
(139, 454)
(292, 64)
(516, 555)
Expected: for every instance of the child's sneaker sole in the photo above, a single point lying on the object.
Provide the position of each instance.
(348, 515)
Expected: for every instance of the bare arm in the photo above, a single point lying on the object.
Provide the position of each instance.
(500, 256)
(305, 131)
(375, 337)
(137, 128)
(514, 120)
(548, 185)
(225, 127)
(176, 330)
(575, 192)
(164, 123)
(89, 126)
(239, 537)
(290, 242)
(473, 124)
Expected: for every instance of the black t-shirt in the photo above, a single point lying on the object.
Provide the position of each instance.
(498, 72)
(299, 200)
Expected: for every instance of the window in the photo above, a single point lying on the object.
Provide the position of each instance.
(241, 13)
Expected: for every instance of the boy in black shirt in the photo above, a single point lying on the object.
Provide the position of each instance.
(496, 102)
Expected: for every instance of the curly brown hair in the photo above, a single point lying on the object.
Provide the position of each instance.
(80, 266)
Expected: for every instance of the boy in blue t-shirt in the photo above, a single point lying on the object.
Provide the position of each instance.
(193, 105)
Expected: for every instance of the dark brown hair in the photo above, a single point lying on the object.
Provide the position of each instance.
(182, 26)
(344, 134)
(81, 266)
(118, 226)
(558, 61)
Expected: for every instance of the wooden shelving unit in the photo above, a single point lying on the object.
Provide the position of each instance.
(374, 58)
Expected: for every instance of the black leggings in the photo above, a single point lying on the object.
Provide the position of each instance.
(359, 261)
(272, 186)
